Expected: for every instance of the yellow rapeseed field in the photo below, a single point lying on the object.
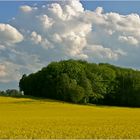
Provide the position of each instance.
(30, 118)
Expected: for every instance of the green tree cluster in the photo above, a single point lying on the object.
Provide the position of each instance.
(78, 81)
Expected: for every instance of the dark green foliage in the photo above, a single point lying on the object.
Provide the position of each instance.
(83, 82)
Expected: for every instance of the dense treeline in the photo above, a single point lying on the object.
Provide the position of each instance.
(83, 82)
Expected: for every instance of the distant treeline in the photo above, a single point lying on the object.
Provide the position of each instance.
(11, 92)
(82, 82)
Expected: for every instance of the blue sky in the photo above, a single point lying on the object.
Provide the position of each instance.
(122, 7)
(9, 9)
(96, 31)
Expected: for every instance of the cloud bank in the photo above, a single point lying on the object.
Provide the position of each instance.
(63, 30)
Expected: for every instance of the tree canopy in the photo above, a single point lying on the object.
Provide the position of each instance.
(78, 81)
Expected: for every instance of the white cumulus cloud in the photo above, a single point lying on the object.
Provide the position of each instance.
(9, 34)
(26, 8)
(129, 39)
(36, 38)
